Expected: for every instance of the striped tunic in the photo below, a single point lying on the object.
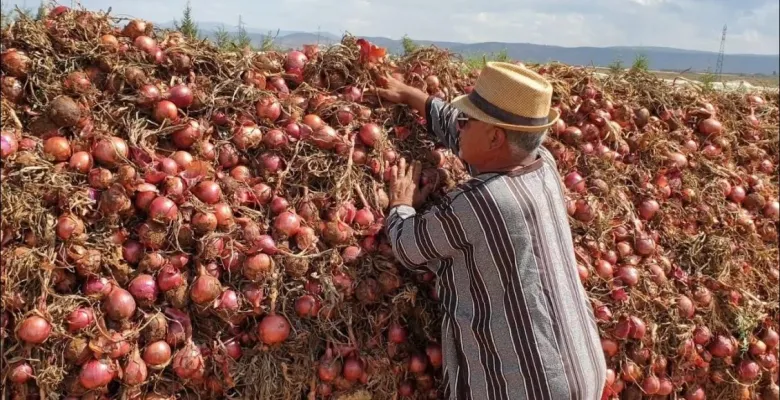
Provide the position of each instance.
(517, 321)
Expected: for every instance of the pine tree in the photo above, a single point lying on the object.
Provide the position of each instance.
(268, 41)
(222, 38)
(242, 38)
(187, 26)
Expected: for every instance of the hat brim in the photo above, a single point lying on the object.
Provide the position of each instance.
(465, 105)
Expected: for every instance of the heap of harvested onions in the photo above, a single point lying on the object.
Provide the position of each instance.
(181, 222)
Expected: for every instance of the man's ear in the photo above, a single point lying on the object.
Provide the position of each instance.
(497, 137)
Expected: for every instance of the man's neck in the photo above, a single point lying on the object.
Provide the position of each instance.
(511, 164)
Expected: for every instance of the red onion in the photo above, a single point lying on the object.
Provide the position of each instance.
(188, 362)
(97, 287)
(20, 373)
(295, 59)
(628, 275)
(185, 137)
(205, 289)
(273, 329)
(574, 182)
(208, 192)
(350, 254)
(165, 110)
(396, 333)
(33, 330)
(79, 319)
(353, 94)
(169, 278)
(96, 373)
(145, 44)
(57, 148)
(737, 194)
(119, 304)
(748, 371)
(701, 335)
(110, 151)
(770, 338)
(272, 163)
(257, 267)
(370, 134)
(307, 306)
(228, 301)
(685, 307)
(648, 208)
(181, 96)
(275, 139)
(268, 108)
(287, 223)
(134, 371)
(721, 347)
(8, 144)
(148, 95)
(163, 209)
(69, 226)
(324, 138)
(132, 251)
(710, 127)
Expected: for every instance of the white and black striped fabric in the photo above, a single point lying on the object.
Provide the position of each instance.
(517, 321)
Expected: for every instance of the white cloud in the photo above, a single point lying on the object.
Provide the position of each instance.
(753, 25)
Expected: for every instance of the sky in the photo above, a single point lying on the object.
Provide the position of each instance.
(753, 25)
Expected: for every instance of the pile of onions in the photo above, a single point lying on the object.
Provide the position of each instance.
(183, 219)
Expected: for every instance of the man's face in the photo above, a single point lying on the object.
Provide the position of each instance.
(475, 140)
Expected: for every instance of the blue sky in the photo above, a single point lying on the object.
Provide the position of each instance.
(754, 25)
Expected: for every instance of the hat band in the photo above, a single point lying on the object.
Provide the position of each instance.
(503, 115)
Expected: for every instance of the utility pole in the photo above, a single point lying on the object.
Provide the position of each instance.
(719, 65)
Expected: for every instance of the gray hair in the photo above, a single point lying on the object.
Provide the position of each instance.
(526, 142)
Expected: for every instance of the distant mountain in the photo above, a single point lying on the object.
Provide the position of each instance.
(660, 58)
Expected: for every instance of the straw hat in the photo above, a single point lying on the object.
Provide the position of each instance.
(511, 97)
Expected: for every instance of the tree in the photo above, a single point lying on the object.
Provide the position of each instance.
(222, 38)
(409, 45)
(41, 12)
(268, 41)
(242, 38)
(187, 26)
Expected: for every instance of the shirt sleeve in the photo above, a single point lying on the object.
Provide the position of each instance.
(441, 119)
(418, 239)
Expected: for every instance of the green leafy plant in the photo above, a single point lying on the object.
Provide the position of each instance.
(409, 45)
(616, 67)
(707, 79)
(641, 63)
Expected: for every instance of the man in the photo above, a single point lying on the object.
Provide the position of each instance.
(517, 321)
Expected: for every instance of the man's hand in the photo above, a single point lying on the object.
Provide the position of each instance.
(391, 89)
(396, 91)
(404, 185)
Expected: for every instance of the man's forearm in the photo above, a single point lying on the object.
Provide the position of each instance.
(415, 98)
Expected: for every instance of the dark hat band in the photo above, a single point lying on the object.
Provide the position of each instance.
(502, 115)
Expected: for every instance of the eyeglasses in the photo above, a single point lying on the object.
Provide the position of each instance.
(462, 120)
